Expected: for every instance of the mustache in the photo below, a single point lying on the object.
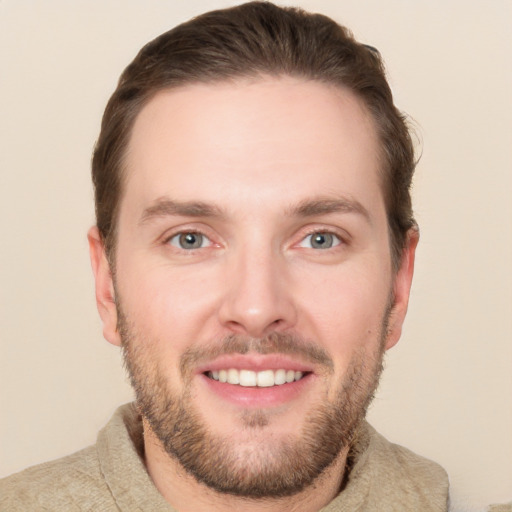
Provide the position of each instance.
(274, 343)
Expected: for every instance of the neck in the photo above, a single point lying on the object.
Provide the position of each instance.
(186, 494)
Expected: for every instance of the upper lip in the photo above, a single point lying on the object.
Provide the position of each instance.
(255, 362)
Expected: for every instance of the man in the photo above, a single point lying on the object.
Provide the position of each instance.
(253, 256)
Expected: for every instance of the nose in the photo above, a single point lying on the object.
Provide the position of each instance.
(258, 297)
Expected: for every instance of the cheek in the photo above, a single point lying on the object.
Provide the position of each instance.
(345, 310)
(165, 303)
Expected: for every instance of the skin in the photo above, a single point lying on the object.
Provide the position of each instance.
(254, 151)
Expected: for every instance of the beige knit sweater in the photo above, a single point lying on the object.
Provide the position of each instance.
(110, 476)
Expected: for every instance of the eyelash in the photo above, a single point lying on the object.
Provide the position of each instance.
(167, 240)
(341, 240)
(325, 231)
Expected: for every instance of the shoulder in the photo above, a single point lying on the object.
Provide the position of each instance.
(71, 483)
(406, 466)
(391, 477)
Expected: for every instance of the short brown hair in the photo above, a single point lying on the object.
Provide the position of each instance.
(253, 39)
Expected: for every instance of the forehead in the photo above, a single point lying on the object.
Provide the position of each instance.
(271, 136)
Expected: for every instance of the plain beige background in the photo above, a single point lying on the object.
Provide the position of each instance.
(447, 390)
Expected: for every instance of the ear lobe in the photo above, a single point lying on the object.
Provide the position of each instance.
(401, 288)
(105, 300)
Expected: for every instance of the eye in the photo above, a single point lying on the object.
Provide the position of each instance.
(189, 240)
(320, 240)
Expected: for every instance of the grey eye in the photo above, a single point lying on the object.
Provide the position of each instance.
(320, 241)
(189, 241)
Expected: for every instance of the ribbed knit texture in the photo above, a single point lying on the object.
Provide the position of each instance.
(111, 476)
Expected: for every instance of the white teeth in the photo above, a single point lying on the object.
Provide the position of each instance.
(248, 378)
(233, 377)
(280, 377)
(263, 379)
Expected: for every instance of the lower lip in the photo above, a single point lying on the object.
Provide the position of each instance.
(257, 397)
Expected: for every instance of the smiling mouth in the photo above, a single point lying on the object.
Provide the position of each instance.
(261, 379)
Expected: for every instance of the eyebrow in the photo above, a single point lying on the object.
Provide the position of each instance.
(324, 206)
(168, 207)
(165, 207)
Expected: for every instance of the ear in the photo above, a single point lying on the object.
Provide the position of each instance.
(402, 288)
(105, 300)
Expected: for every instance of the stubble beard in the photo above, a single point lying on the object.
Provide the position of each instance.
(276, 468)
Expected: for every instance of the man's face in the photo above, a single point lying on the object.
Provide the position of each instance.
(253, 246)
